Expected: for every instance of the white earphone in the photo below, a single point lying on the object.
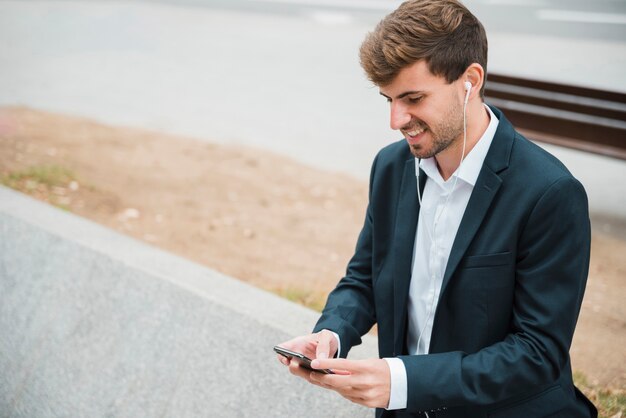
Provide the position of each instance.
(468, 89)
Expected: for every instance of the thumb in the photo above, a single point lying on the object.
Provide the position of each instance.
(326, 344)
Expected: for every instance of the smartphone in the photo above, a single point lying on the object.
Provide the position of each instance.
(302, 360)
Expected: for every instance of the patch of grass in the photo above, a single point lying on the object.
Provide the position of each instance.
(50, 183)
(47, 175)
(611, 403)
(315, 301)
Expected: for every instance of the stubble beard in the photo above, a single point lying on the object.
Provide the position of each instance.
(443, 134)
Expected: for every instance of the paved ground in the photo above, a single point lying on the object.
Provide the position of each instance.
(97, 324)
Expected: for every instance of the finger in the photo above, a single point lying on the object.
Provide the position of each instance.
(341, 372)
(332, 381)
(337, 363)
(314, 378)
(302, 372)
(282, 359)
(310, 349)
(325, 341)
(296, 370)
(305, 344)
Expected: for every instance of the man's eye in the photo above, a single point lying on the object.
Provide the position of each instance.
(415, 99)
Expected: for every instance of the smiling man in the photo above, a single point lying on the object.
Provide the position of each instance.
(474, 253)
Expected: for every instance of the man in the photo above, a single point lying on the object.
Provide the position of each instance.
(474, 254)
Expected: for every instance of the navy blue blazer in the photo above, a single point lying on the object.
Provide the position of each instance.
(511, 292)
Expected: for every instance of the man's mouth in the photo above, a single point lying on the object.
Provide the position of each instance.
(415, 131)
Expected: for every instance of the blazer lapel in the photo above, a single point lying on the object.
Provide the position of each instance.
(404, 240)
(486, 188)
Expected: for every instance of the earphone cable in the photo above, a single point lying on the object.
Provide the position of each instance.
(445, 207)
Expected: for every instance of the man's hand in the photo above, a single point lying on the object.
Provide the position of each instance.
(320, 345)
(366, 382)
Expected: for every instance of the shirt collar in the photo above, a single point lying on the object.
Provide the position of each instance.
(473, 162)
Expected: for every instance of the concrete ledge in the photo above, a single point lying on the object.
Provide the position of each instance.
(93, 323)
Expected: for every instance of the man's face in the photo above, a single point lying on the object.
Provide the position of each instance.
(426, 109)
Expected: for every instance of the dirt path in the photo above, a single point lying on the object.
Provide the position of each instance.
(251, 214)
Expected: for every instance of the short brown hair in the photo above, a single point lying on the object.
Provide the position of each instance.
(444, 33)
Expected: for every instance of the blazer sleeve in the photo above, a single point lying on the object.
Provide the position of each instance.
(349, 309)
(550, 276)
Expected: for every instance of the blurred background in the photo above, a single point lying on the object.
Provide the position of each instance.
(282, 76)
(278, 74)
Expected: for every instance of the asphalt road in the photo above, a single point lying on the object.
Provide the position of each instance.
(284, 74)
(96, 324)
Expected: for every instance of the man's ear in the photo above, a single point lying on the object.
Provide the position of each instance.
(475, 74)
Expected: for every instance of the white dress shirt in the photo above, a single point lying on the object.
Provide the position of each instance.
(443, 206)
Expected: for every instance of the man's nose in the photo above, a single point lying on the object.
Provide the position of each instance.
(399, 116)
